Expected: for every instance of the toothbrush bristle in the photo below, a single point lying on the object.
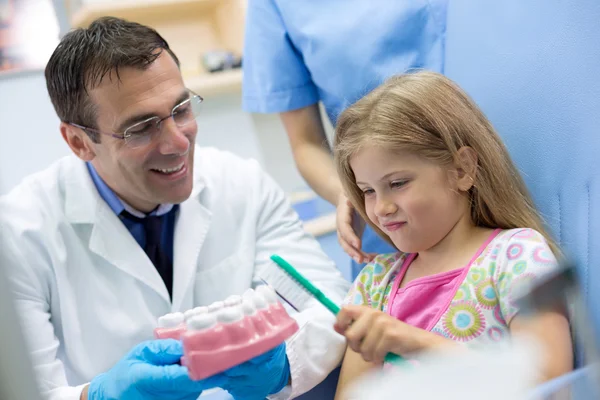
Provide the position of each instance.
(286, 287)
(280, 295)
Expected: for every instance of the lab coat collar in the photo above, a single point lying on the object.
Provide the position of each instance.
(82, 200)
(111, 240)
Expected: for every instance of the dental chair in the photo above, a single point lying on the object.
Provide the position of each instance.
(533, 66)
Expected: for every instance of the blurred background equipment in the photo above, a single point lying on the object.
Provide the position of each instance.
(215, 61)
(29, 33)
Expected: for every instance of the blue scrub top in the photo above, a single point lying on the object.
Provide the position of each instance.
(299, 52)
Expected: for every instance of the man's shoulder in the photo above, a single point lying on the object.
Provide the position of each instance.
(44, 179)
(226, 178)
(212, 163)
(211, 155)
(37, 194)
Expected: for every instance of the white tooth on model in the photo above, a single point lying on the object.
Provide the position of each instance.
(195, 311)
(189, 314)
(248, 307)
(248, 293)
(170, 320)
(230, 314)
(201, 321)
(201, 310)
(217, 305)
(233, 300)
(268, 293)
(259, 301)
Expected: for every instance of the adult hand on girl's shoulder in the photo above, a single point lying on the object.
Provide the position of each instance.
(350, 226)
(373, 334)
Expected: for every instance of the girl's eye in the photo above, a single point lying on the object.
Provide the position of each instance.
(367, 192)
(398, 184)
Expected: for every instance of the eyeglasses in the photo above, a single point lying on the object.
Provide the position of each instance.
(143, 132)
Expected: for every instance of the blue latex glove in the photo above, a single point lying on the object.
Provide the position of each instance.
(255, 379)
(149, 371)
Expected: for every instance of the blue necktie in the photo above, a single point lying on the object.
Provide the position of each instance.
(154, 249)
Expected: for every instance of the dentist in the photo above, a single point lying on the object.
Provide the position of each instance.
(139, 222)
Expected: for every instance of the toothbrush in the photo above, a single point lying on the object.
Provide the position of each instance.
(286, 279)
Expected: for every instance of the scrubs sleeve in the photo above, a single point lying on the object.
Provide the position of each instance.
(275, 76)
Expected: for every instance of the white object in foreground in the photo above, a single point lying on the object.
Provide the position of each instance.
(500, 372)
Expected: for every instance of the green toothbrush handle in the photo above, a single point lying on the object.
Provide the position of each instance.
(324, 300)
(334, 308)
(392, 358)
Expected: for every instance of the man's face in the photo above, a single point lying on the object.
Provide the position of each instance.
(160, 171)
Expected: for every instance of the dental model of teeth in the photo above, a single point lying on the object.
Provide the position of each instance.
(228, 333)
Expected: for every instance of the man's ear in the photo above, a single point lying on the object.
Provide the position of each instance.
(466, 168)
(78, 141)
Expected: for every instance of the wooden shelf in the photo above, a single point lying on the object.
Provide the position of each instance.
(217, 83)
(191, 27)
(139, 10)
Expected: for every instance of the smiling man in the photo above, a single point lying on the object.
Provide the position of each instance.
(139, 222)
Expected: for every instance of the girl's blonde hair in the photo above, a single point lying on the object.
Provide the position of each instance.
(426, 114)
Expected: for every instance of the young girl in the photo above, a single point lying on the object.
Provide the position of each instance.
(423, 165)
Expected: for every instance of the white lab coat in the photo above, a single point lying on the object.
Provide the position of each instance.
(88, 293)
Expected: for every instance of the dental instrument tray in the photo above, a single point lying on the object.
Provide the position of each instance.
(228, 333)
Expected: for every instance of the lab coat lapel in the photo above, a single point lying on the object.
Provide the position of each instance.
(191, 229)
(112, 241)
(109, 238)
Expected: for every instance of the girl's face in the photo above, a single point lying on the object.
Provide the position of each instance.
(411, 199)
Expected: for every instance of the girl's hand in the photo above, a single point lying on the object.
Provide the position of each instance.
(373, 334)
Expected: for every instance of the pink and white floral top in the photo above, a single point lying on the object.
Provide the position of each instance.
(473, 304)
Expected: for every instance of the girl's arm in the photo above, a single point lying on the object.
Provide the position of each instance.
(527, 258)
(551, 329)
(353, 366)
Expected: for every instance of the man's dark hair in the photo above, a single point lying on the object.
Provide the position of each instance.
(85, 56)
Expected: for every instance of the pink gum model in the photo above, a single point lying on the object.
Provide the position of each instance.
(226, 334)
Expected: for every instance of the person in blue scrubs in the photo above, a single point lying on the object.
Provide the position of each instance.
(300, 53)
